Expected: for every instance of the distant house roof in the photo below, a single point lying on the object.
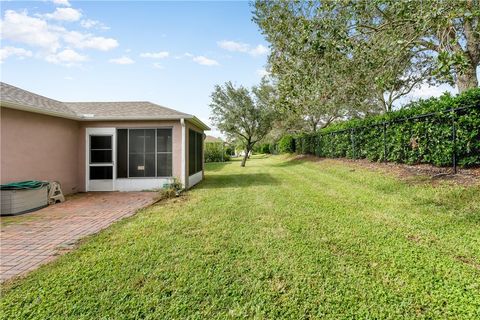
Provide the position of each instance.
(16, 98)
(213, 139)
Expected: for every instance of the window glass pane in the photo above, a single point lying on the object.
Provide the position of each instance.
(101, 173)
(136, 166)
(150, 141)
(150, 165)
(199, 156)
(191, 152)
(142, 159)
(164, 140)
(122, 155)
(195, 149)
(100, 156)
(100, 142)
(164, 165)
(136, 140)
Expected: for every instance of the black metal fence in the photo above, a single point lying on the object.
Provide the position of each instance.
(450, 115)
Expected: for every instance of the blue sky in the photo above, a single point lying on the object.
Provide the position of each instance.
(170, 53)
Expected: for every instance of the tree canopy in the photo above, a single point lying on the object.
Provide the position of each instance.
(336, 59)
(244, 115)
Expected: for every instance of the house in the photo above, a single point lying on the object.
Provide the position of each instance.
(97, 146)
(212, 139)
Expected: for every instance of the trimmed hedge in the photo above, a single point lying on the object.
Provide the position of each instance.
(286, 144)
(415, 140)
(263, 148)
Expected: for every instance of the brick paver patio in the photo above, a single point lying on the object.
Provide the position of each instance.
(30, 240)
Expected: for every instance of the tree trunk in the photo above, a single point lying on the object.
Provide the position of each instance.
(314, 124)
(245, 157)
(467, 79)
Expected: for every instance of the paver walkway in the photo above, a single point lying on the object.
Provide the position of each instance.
(32, 239)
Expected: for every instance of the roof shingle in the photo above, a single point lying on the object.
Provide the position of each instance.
(123, 110)
(14, 95)
(11, 95)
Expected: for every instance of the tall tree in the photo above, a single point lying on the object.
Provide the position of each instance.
(448, 31)
(310, 88)
(312, 59)
(244, 115)
(364, 55)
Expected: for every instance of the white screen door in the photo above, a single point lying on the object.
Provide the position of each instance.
(100, 159)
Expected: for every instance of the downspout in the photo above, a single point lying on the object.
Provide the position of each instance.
(183, 175)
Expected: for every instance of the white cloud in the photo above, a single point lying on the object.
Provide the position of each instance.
(19, 27)
(89, 24)
(155, 55)
(62, 3)
(262, 72)
(66, 57)
(13, 51)
(426, 91)
(199, 59)
(205, 61)
(36, 32)
(83, 41)
(99, 43)
(68, 78)
(259, 50)
(64, 14)
(122, 60)
(89, 41)
(243, 47)
(234, 46)
(185, 55)
(157, 65)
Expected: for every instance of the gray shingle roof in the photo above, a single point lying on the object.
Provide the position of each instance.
(17, 96)
(11, 96)
(123, 110)
(212, 139)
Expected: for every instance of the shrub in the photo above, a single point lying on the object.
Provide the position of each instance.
(415, 140)
(170, 190)
(229, 151)
(286, 144)
(216, 152)
(264, 148)
(273, 148)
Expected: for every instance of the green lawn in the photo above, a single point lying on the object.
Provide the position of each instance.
(278, 239)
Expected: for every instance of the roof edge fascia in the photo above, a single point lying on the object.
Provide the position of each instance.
(22, 107)
(173, 117)
(197, 122)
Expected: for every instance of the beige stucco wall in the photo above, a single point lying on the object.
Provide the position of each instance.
(42, 147)
(39, 147)
(176, 142)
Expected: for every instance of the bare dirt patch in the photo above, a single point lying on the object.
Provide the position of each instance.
(468, 261)
(421, 173)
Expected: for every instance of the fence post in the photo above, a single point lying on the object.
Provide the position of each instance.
(385, 142)
(454, 146)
